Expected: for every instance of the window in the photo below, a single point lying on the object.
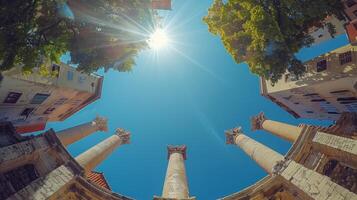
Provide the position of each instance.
(345, 57)
(12, 97)
(49, 110)
(81, 79)
(350, 3)
(21, 176)
(39, 98)
(334, 113)
(321, 66)
(355, 13)
(310, 112)
(56, 69)
(69, 75)
(27, 112)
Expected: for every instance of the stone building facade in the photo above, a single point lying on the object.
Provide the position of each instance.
(29, 101)
(321, 164)
(328, 88)
(40, 167)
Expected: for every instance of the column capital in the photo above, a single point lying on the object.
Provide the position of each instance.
(176, 149)
(101, 123)
(257, 121)
(232, 134)
(123, 135)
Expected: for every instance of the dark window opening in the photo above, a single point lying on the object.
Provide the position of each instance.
(12, 97)
(350, 3)
(312, 94)
(347, 99)
(49, 111)
(345, 57)
(355, 13)
(334, 113)
(21, 176)
(321, 66)
(339, 91)
(341, 174)
(27, 112)
(39, 98)
(310, 112)
(318, 100)
(56, 69)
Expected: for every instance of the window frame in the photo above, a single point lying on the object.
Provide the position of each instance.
(345, 57)
(27, 113)
(12, 100)
(37, 95)
(321, 65)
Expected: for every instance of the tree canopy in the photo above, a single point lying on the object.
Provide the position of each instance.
(97, 33)
(266, 34)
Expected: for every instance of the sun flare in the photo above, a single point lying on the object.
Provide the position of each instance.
(158, 39)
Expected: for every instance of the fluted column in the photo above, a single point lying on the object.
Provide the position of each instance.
(95, 155)
(175, 185)
(72, 135)
(263, 155)
(282, 130)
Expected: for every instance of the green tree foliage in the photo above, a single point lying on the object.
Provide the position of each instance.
(266, 34)
(97, 33)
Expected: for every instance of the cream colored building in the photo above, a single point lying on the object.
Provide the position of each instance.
(29, 101)
(328, 89)
(321, 164)
(322, 34)
(40, 167)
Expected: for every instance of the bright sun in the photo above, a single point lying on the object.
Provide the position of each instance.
(158, 39)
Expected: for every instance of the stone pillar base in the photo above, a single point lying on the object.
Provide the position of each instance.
(162, 198)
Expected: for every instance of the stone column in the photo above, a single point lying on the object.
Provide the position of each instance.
(263, 155)
(72, 135)
(95, 155)
(175, 186)
(282, 130)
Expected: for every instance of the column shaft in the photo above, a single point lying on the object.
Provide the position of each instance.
(175, 185)
(71, 135)
(95, 155)
(285, 131)
(263, 155)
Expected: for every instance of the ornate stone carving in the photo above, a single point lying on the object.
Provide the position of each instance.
(100, 123)
(123, 135)
(232, 134)
(257, 121)
(176, 149)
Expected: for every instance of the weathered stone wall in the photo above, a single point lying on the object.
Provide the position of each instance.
(314, 185)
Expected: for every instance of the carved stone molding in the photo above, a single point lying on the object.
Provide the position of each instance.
(257, 121)
(176, 149)
(123, 135)
(232, 134)
(101, 123)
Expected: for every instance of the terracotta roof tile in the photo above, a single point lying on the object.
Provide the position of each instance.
(99, 179)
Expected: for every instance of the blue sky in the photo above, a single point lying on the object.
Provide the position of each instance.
(185, 96)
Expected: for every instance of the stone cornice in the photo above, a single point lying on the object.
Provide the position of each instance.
(176, 149)
(123, 135)
(232, 134)
(257, 121)
(101, 123)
